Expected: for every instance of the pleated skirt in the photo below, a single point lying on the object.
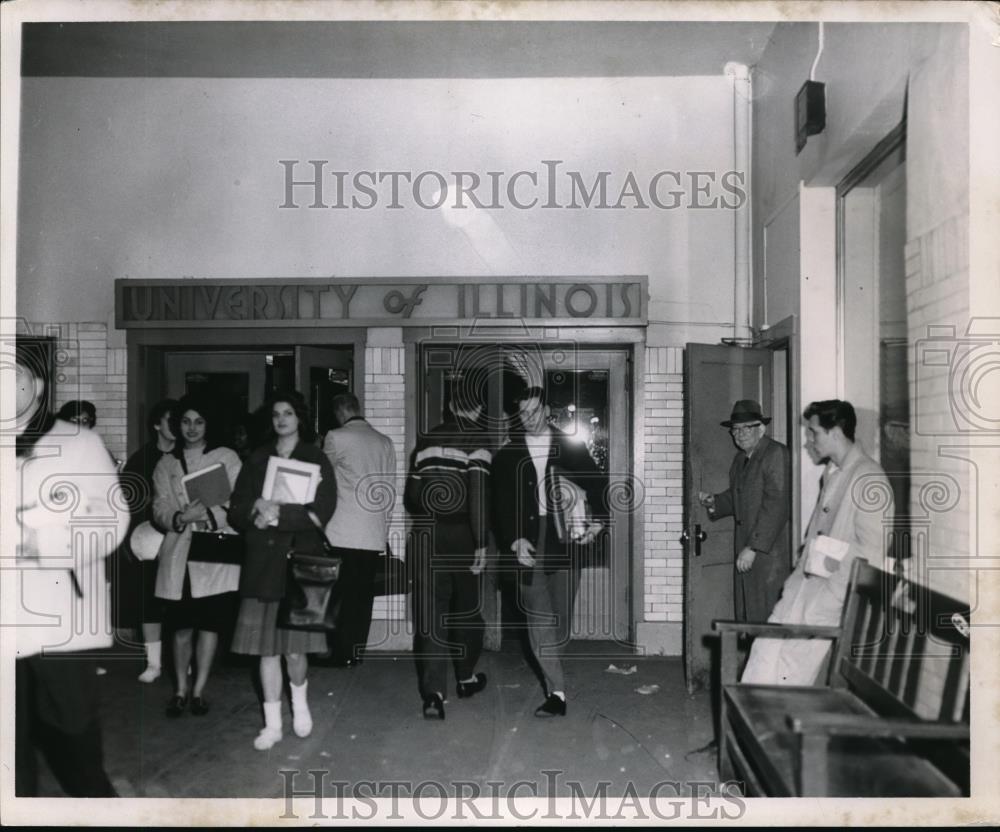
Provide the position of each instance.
(257, 632)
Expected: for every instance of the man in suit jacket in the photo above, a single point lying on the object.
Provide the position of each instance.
(533, 536)
(364, 462)
(758, 498)
(851, 519)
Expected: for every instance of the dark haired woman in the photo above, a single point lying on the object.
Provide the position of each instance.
(200, 596)
(272, 528)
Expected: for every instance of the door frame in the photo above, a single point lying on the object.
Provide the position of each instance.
(784, 335)
(145, 347)
(630, 339)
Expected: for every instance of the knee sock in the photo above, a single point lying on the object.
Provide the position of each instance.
(301, 718)
(154, 653)
(271, 732)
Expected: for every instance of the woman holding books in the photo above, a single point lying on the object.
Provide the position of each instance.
(276, 516)
(199, 595)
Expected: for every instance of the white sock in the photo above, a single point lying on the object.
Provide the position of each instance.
(471, 680)
(560, 694)
(301, 718)
(271, 732)
(154, 652)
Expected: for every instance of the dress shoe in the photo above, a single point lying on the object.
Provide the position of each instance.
(176, 706)
(434, 707)
(467, 689)
(552, 706)
(199, 706)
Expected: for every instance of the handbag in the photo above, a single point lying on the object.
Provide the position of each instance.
(310, 601)
(215, 545)
(391, 576)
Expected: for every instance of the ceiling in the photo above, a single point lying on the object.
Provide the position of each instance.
(328, 49)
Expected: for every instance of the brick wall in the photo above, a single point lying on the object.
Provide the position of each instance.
(663, 565)
(937, 289)
(85, 368)
(385, 410)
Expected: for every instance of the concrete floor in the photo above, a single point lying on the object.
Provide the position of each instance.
(368, 726)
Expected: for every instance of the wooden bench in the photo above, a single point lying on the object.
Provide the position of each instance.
(891, 719)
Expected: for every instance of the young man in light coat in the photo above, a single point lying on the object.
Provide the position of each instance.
(852, 519)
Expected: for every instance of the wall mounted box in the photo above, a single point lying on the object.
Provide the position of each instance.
(810, 112)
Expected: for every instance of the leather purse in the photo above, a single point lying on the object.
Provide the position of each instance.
(215, 546)
(310, 601)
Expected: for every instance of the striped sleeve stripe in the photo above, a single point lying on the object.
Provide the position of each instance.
(436, 451)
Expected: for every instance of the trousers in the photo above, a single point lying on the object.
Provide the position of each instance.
(355, 594)
(448, 625)
(547, 597)
(57, 700)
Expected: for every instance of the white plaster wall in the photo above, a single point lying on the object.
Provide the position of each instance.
(169, 177)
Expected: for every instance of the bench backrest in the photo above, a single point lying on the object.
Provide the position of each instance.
(905, 650)
(905, 653)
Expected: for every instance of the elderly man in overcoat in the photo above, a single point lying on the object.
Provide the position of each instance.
(759, 500)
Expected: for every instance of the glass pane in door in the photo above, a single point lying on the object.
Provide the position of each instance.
(229, 392)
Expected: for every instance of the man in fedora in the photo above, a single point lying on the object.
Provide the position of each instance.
(759, 500)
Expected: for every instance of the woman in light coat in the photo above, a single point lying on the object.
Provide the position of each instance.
(199, 595)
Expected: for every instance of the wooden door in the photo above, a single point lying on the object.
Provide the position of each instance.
(321, 373)
(715, 377)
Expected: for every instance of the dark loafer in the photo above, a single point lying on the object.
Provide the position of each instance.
(176, 706)
(467, 689)
(199, 706)
(434, 707)
(552, 706)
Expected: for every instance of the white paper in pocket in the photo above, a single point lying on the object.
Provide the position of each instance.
(824, 554)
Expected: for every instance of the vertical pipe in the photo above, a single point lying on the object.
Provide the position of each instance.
(742, 294)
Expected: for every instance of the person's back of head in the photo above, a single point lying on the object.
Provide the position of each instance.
(466, 398)
(79, 412)
(345, 407)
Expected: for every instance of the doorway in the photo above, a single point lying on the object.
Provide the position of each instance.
(587, 394)
(240, 379)
(874, 324)
(716, 376)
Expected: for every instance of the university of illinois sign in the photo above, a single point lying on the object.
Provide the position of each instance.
(279, 302)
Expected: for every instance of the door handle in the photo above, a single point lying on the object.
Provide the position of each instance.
(699, 537)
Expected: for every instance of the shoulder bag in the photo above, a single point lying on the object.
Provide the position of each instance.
(310, 602)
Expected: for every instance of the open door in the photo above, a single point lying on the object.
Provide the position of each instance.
(715, 377)
(321, 373)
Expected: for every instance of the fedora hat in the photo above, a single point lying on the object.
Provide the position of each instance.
(745, 410)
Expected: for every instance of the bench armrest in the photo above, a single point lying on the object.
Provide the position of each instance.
(859, 725)
(729, 632)
(777, 630)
